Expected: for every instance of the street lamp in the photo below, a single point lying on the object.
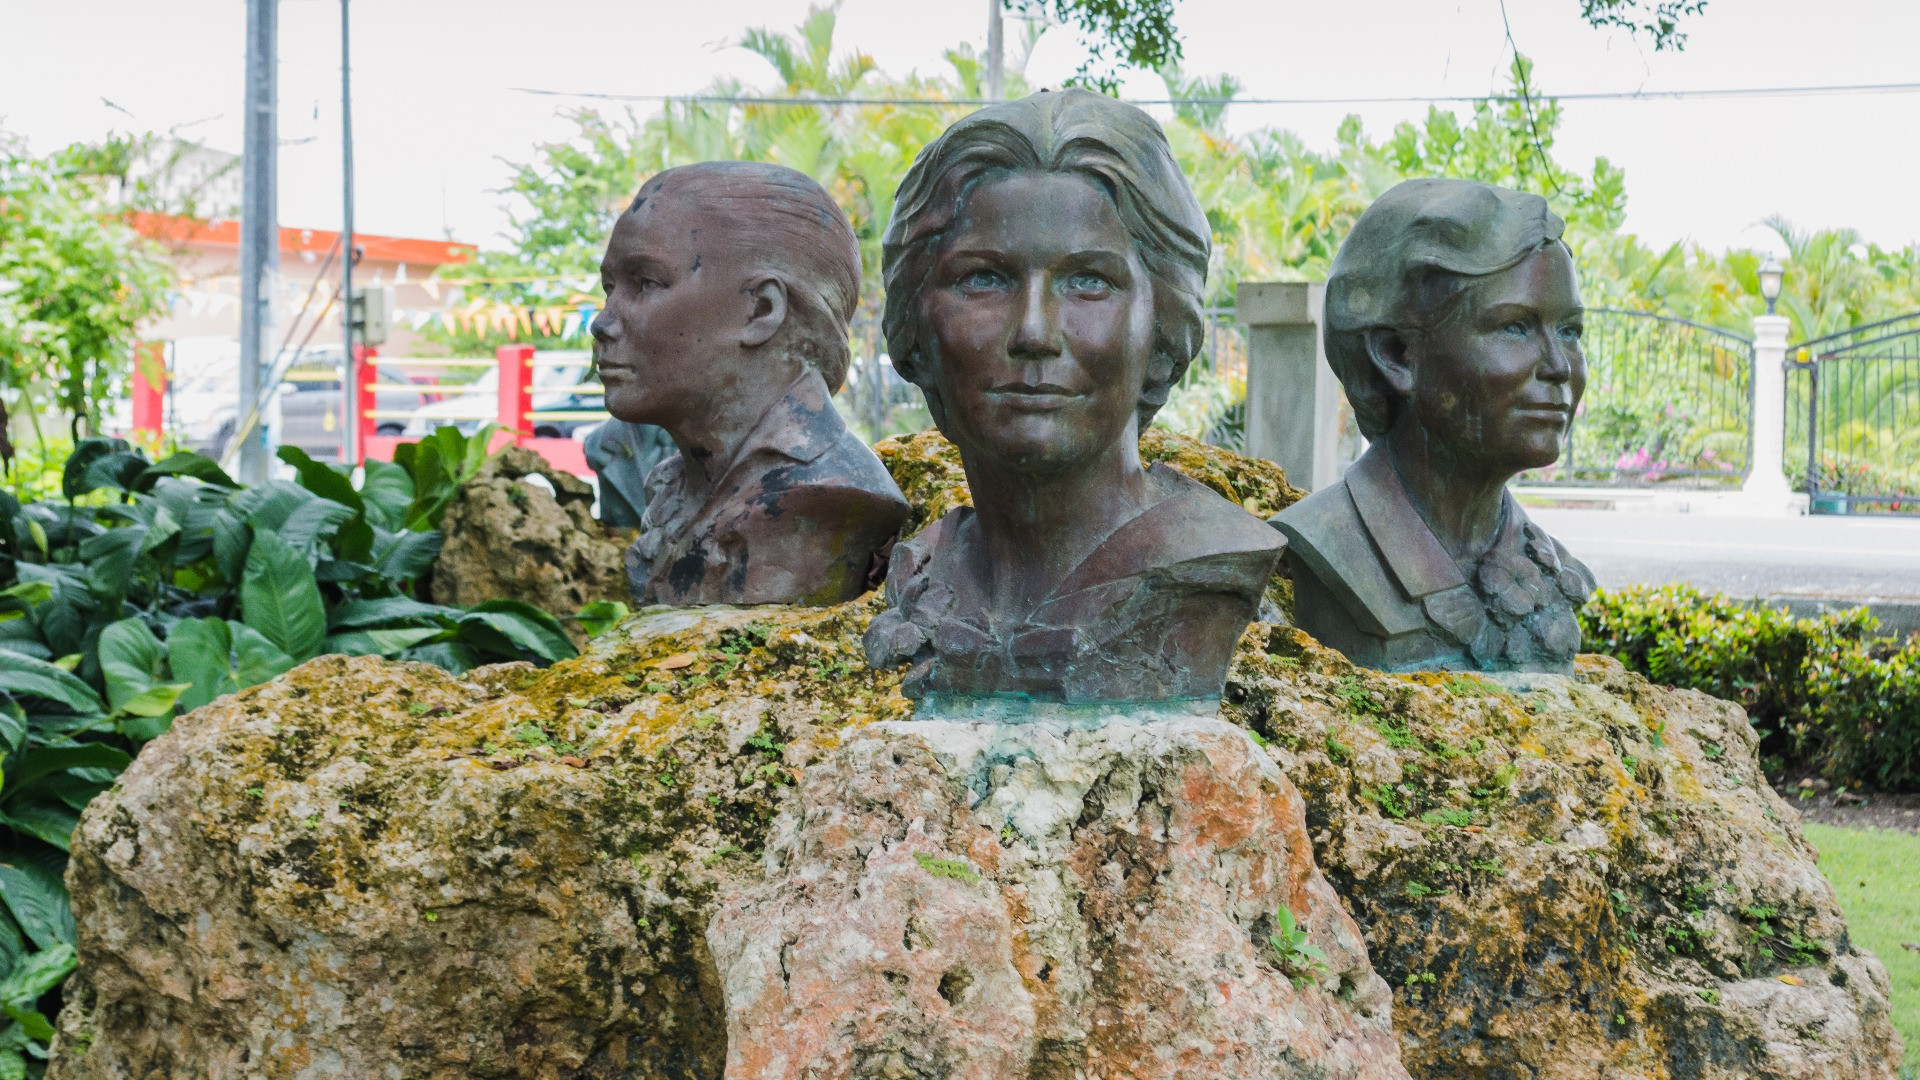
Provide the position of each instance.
(1771, 273)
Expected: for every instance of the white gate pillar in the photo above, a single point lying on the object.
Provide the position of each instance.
(1766, 491)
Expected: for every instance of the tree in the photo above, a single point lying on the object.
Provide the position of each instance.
(1116, 33)
(75, 282)
(1656, 19)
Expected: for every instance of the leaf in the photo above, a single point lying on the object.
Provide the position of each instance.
(155, 701)
(26, 676)
(403, 556)
(200, 651)
(258, 659)
(268, 506)
(32, 1022)
(231, 538)
(387, 609)
(97, 463)
(526, 626)
(449, 655)
(37, 973)
(386, 491)
(321, 479)
(600, 615)
(50, 821)
(309, 521)
(47, 760)
(131, 660)
(379, 642)
(38, 900)
(354, 542)
(28, 592)
(280, 599)
(185, 463)
(110, 558)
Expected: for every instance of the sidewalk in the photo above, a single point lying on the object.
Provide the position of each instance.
(1811, 562)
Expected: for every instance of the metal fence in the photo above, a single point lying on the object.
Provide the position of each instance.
(1853, 418)
(1668, 402)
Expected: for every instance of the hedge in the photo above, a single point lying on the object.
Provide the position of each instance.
(1827, 694)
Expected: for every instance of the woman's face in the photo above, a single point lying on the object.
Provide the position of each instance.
(1039, 317)
(1498, 382)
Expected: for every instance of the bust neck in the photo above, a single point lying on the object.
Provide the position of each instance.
(1461, 501)
(1041, 525)
(710, 435)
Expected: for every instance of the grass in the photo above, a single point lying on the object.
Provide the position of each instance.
(1874, 871)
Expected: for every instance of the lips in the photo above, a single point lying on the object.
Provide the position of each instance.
(1034, 396)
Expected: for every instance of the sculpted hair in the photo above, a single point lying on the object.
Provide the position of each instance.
(1412, 263)
(785, 226)
(1118, 147)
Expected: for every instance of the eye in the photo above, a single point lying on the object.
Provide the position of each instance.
(1572, 332)
(984, 281)
(1516, 329)
(1086, 281)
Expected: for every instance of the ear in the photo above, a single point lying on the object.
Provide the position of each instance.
(768, 311)
(1394, 356)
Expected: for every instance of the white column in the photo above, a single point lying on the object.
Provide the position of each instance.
(1766, 490)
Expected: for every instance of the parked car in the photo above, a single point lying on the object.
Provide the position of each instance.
(556, 374)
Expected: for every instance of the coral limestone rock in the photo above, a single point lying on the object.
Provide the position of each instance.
(508, 538)
(1569, 877)
(1049, 899)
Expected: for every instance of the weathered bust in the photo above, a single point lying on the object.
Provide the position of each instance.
(729, 287)
(1453, 319)
(1044, 271)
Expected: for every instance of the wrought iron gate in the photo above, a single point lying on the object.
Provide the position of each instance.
(1668, 402)
(1853, 418)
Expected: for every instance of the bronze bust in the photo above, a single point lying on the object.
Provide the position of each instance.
(1453, 319)
(1045, 268)
(729, 288)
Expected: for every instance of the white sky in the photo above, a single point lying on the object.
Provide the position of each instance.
(435, 114)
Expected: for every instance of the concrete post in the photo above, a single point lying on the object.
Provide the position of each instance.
(1766, 490)
(1295, 405)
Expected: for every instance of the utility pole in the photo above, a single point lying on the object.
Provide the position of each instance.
(350, 363)
(996, 52)
(259, 225)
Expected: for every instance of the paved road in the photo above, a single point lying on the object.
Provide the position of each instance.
(1853, 558)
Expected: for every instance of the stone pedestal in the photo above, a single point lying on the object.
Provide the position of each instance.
(1297, 414)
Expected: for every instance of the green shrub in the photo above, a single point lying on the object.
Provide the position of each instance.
(150, 589)
(1825, 693)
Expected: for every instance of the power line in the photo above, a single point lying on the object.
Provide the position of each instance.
(1435, 99)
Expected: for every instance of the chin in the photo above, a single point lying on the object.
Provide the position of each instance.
(1533, 454)
(634, 409)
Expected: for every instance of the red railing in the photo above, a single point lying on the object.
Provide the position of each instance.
(512, 408)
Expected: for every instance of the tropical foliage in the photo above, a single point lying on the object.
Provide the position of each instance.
(75, 282)
(148, 589)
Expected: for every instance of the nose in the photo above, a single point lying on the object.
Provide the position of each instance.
(1559, 359)
(1037, 334)
(605, 328)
